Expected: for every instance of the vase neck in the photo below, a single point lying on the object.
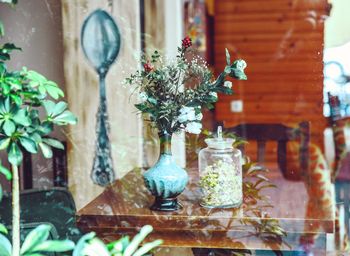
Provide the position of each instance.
(165, 143)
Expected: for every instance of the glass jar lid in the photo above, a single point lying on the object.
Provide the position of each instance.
(219, 142)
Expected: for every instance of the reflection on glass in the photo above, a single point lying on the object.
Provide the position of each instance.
(298, 69)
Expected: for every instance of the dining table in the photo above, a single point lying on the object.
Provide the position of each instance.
(275, 216)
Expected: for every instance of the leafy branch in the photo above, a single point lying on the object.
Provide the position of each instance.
(172, 93)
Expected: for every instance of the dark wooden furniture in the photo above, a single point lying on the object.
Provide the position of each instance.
(281, 134)
(59, 168)
(54, 206)
(124, 207)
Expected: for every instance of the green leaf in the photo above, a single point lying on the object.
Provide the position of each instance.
(59, 108)
(36, 137)
(35, 76)
(227, 70)
(53, 90)
(237, 70)
(29, 144)
(15, 155)
(145, 230)
(4, 56)
(47, 152)
(238, 74)
(78, 251)
(4, 143)
(152, 100)
(144, 108)
(6, 89)
(66, 117)
(3, 229)
(6, 172)
(9, 47)
(54, 246)
(119, 245)
(209, 106)
(49, 106)
(53, 143)
(21, 117)
(224, 89)
(35, 238)
(17, 99)
(5, 246)
(228, 57)
(2, 29)
(95, 247)
(42, 90)
(148, 247)
(7, 105)
(46, 127)
(9, 127)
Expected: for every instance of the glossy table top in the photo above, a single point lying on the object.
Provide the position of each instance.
(270, 218)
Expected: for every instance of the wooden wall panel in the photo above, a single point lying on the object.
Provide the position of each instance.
(282, 42)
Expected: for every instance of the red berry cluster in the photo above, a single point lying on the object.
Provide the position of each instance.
(186, 42)
(148, 67)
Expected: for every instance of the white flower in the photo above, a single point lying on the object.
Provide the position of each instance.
(186, 114)
(228, 84)
(199, 116)
(213, 94)
(241, 65)
(193, 127)
(143, 96)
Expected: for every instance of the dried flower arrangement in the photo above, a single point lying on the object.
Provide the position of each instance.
(221, 185)
(173, 92)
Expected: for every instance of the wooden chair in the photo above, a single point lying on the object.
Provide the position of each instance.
(261, 133)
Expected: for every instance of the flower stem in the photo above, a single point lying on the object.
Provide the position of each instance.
(15, 212)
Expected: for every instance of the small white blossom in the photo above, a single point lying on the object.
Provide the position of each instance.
(143, 96)
(193, 127)
(241, 65)
(199, 116)
(213, 94)
(228, 84)
(187, 114)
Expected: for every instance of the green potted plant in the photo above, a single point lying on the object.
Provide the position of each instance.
(23, 95)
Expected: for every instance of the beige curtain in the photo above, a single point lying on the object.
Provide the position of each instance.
(82, 93)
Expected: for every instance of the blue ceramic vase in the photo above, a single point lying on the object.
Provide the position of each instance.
(165, 180)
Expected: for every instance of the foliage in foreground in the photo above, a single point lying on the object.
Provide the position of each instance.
(37, 244)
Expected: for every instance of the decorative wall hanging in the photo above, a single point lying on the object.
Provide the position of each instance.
(100, 40)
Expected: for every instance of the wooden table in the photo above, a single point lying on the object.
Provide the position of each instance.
(124, 207)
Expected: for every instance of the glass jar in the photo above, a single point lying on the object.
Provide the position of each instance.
(220, 173)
